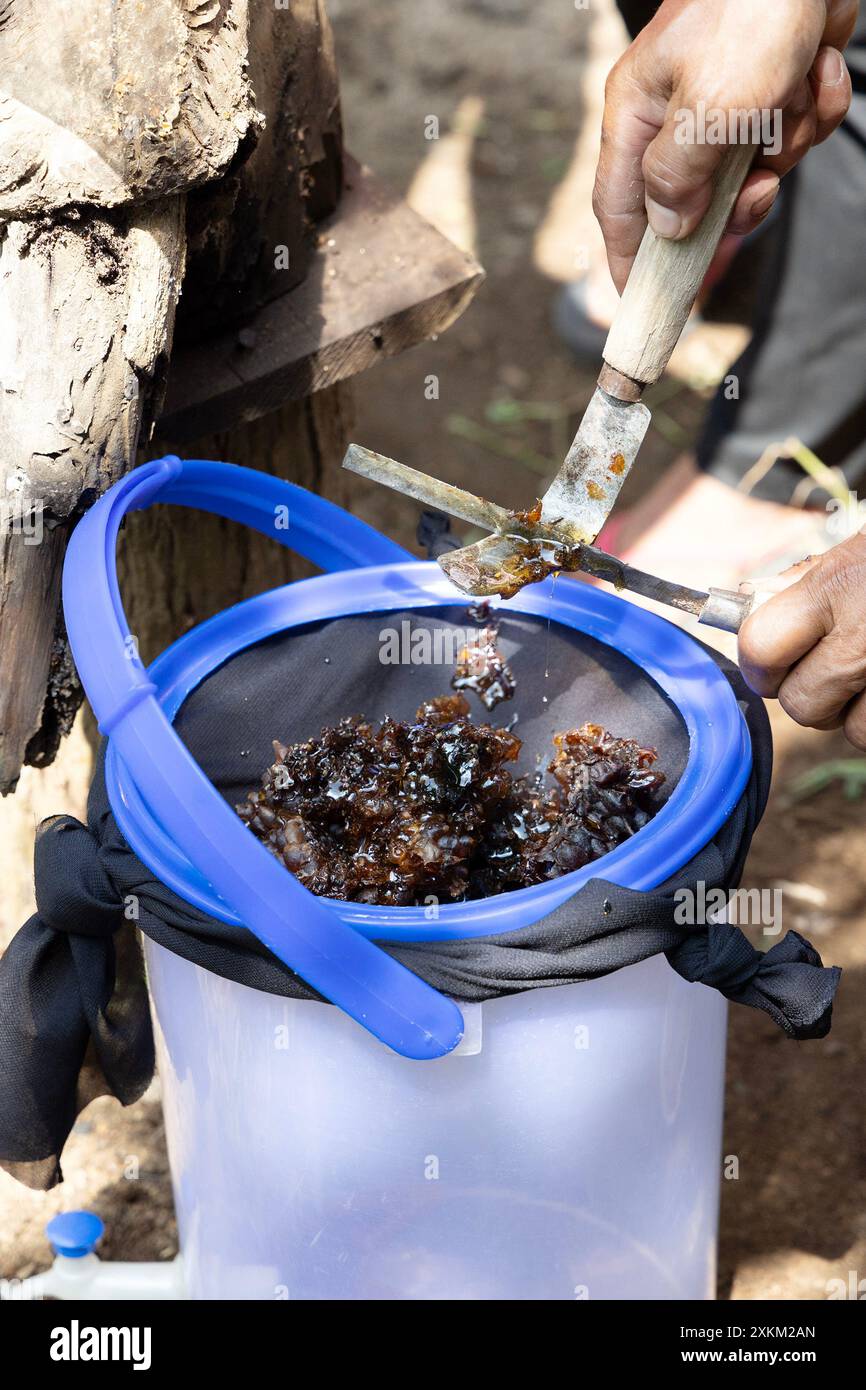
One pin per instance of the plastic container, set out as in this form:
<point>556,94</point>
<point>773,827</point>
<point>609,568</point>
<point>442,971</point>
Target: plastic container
<point>538,1160</point>
<point>570,1148</point>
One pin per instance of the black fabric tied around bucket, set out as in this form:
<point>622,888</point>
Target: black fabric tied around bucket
<point>74,1019</point>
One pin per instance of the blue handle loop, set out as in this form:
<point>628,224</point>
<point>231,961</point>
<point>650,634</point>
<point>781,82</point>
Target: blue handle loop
<point>341,965</point>
<point>331,538</point>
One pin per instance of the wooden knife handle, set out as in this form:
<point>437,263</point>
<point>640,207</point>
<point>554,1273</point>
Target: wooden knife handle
<point>665,279</point>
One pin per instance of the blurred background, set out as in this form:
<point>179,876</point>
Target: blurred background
<point>516,88</point>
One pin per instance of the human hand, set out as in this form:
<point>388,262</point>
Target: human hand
<point>806,645</point>
<point>786,59</point>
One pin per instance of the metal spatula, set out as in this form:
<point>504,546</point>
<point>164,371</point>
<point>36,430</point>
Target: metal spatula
<point>524,547</point>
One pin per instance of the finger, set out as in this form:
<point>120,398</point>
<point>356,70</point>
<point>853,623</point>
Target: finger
<point>631,119</point>
<point>830,81</point>
<point>783,629</point>
<point>816,690</point>
<point>841,19</point>
<point>799,124</point>
<point>855,722</point>
<point>678,177</point>
<point>757,196</point>
<point>617,201</point>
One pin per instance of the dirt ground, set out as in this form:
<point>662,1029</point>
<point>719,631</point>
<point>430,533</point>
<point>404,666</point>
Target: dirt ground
<point>516,89</point>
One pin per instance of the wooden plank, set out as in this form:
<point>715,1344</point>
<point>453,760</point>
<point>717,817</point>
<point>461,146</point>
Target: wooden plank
<point>380,281</point>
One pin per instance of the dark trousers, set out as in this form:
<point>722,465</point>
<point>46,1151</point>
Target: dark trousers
<point>804,371</point>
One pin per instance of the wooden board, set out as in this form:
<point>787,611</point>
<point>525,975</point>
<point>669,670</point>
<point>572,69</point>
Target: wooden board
<point>380,281</point>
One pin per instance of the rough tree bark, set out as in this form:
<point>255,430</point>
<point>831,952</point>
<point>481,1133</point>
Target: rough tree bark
<point>113,117</point>
<point>251,238</point>
<point>110,110</point>
<point>87,306</point>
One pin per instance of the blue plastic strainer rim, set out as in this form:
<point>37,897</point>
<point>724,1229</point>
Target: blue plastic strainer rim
<point>200,848</point>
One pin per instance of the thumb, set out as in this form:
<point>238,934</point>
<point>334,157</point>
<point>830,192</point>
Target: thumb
<point>787,622</point>
<point>678,171</point>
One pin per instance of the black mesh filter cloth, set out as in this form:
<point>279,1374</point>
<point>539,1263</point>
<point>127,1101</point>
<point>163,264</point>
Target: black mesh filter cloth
<point>74,1020</point>
<point>290,686</point>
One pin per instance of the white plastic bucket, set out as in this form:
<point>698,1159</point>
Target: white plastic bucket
<point>570,1148</point>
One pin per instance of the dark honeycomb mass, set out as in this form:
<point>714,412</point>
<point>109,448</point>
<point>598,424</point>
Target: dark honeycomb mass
<point>409,812</point>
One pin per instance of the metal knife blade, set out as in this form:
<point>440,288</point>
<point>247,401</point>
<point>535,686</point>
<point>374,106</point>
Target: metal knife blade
<point>581,495</point>
<point>722,608</point>
<point>574,507</point>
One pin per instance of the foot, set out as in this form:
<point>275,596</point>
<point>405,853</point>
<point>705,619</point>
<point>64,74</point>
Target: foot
<point>584,310</point>
<point>694,530</point>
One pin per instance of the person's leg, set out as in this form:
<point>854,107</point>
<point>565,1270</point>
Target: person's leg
<point>804,371</point>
